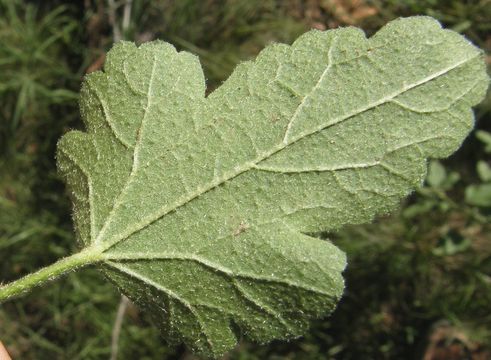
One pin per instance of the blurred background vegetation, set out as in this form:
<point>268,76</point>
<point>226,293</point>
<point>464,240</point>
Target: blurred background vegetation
<point>418,281</point>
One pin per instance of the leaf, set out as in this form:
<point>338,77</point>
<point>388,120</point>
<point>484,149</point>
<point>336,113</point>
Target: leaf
<point>201,206</point>
<point>439,178</point>
<point>483,170</point>
<point>451,244</point>
<point>479,195</point>
<point>485,137</point>
<point>436,174</point>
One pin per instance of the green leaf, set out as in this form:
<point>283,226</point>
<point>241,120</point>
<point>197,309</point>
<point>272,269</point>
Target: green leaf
<point>483,170</point>
<point>436,174</point>
<point>438,177</point>
<point>451,244</point>
<point>479,195</point>
<point>202,206</point>
<point>485,137</point>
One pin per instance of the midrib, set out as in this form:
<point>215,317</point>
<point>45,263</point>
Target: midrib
<point>280,146</point>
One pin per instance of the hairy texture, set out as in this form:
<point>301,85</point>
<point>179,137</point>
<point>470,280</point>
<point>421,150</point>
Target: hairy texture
<point>202,206</point>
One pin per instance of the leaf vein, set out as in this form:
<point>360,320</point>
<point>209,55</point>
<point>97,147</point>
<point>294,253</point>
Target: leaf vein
<point>210,265</point>
<point>316,86</point>
<point>167,291</point>
<point>108,118</point>
<point>136,152</point>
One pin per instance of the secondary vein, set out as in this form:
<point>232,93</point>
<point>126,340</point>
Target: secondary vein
<point>136,155</point>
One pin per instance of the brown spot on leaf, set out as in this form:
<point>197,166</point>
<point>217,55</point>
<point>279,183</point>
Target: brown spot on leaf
<point>241,228</point>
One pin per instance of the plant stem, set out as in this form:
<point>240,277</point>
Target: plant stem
<point>118,324</point>
<point>50,272</point>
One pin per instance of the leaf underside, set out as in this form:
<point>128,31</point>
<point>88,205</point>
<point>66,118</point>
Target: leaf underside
<point>202,205</point>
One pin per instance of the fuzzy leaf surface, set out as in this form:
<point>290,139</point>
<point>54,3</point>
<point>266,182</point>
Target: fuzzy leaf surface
<point>202,206</point>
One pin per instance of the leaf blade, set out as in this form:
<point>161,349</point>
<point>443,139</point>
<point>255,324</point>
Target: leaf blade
<point>216,191</point>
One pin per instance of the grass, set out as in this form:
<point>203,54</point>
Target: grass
<point>412,274</point>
